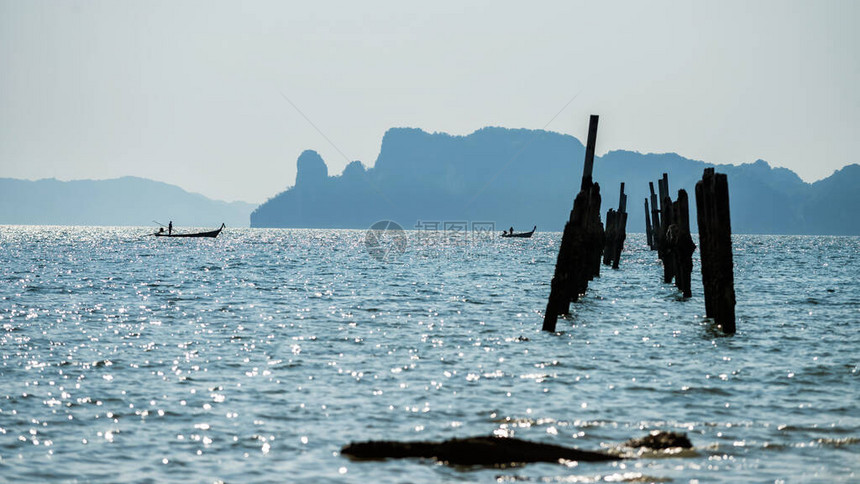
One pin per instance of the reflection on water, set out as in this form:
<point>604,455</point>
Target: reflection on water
<point>257,355</point>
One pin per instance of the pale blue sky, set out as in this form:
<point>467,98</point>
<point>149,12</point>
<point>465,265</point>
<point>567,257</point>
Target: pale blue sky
<point>189,92</point>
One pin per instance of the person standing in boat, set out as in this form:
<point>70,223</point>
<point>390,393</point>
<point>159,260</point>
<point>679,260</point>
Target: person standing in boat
<point>511,231</point>
<point>170,228</point>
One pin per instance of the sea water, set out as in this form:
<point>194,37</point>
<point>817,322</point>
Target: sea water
<point>256,356</point>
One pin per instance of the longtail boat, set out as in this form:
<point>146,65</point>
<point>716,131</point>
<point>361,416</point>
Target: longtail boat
<point>523,235</point>
<point>211,233</point>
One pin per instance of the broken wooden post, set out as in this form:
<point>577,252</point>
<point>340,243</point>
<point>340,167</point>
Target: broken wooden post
<point>663,192</point>
<point>581,242</point>
<point>715,240</point>
<point>616,231</point>
<point>594,232</point>
<point>649,235</point>
<point>666,220</point>
<point>621,237</point>
<point>574,266</point>
<point>655,218</point>
<point>681,244</point>
<point>621,230</point>
<point>609,236</point>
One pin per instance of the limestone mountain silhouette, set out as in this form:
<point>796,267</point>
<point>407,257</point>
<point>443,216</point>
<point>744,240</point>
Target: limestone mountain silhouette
<point>521,178</point>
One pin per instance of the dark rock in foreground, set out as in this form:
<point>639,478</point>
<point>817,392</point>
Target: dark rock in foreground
<point>498,450</point>
<point>661,440</point>
<point>473,451</point>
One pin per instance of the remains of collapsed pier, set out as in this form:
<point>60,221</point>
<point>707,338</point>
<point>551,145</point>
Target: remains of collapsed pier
<point>585,239</point>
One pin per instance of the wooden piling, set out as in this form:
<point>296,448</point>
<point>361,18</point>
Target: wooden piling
<point>680,243</point>
<point>620,237</point>
<point>616,231</point>
<point>649,235</point>
<point>655,218</point>
<point>588,165</point>
<point>581,242</point>
<point>610,236</point>
<point>665,201</point>
<point>715,240</point>
<point>666,220</point>
<point>663,190</point>
<point>595,233</point>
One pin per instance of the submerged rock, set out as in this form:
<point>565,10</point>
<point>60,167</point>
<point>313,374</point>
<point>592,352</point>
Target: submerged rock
<point>659,440</point>
<point>491,451</point>
<point>473,451</point>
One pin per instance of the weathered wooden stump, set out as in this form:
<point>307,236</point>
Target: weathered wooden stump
<point>581,245</point>
<point>655,219</point>
<point>621,229</point>
<point>610,236</point>
<point>715,240</point>
<point>595,232</point>
<point>666,220</point>
<point>616,231</point>
<point>680,243</point>
<point>581,242</point>
<point>649,234</point>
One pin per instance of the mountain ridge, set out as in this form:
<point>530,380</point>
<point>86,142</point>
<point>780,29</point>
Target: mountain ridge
<point>124,201</point>
<point>524,177</point>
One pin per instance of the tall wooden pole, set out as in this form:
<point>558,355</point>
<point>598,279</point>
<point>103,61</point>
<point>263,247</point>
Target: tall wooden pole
<point>581,242</point>
<point>588,165</point>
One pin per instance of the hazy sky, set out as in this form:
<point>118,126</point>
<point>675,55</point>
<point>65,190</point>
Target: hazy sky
<point>195,93</point>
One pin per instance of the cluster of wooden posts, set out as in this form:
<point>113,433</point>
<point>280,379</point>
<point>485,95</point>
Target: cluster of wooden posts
<point>668,232</point>
<point>670,236</point>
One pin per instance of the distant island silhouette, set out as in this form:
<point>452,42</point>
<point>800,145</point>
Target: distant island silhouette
<point>120,201</point>
<point>522,178</point>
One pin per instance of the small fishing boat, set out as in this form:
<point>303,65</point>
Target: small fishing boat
<point>523,235</point>
<point>211,233</point>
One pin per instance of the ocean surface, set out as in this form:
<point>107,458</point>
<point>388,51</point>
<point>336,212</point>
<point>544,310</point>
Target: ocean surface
<point>256,356</point>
